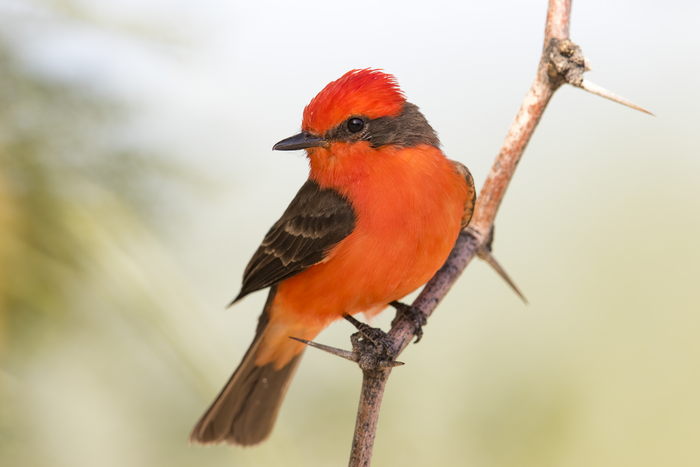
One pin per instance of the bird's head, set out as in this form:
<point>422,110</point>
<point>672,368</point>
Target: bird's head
<point>354,116</point>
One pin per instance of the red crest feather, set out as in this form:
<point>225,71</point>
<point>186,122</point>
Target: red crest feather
<point>371,93</point>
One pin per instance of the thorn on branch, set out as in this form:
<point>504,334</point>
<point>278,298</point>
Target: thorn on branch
<point>367,359</point>
<point>346,354</point>
<point>567,65</point>
<point>488,257</point>
<point>485,253</point>
<point>602,92</point>
<point>372,348</point>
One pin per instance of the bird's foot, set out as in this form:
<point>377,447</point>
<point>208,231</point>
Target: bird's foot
<point>416,317</point>
<point>373,347</point>
<point>374,335</point>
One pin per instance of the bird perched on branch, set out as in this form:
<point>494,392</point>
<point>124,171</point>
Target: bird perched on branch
<point>378,216</point>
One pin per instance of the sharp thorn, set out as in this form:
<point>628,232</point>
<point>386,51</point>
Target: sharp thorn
<point>602,92</point>
<point>346,354</point>
<point>489,258</point>
<point>390,364</point>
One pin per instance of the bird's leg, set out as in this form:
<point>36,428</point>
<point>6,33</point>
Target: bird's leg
<point>376,336</point>
<point>416,317</point>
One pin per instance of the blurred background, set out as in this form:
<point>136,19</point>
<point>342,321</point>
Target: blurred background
<point>136,180</point>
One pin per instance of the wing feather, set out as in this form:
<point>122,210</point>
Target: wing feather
<point>471,192</point>
<point>315,221</point>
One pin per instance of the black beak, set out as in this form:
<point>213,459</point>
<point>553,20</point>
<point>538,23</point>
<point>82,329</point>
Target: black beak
<point>303,140</point>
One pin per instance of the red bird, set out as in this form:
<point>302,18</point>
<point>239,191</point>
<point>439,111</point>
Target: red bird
<point>378,216</point>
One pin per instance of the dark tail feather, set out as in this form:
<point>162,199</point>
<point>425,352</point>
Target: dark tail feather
<point>245,410</point>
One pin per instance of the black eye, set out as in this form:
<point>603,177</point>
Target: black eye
<point>355,125</point>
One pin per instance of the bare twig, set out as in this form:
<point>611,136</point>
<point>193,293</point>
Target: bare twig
<point>373,383</point>
<point>562,62</point>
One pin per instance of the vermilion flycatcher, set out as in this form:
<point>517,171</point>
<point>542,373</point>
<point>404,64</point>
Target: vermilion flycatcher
<point>378,216</point>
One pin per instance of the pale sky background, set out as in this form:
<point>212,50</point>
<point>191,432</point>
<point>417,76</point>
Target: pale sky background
<point>599,229</point>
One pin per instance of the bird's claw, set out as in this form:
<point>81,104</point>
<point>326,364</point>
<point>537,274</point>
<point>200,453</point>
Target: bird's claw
<point>373,346</point>
<point>374,335</point>
<point>416,317</point>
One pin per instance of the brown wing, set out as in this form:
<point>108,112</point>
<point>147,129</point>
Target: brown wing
<point>313,223</point>
<point>471,195</point>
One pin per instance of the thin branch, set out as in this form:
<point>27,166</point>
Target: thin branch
<point>562,63</point>
<point>373,384</point>
<point>558,20</point>
<point>470,241</point>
